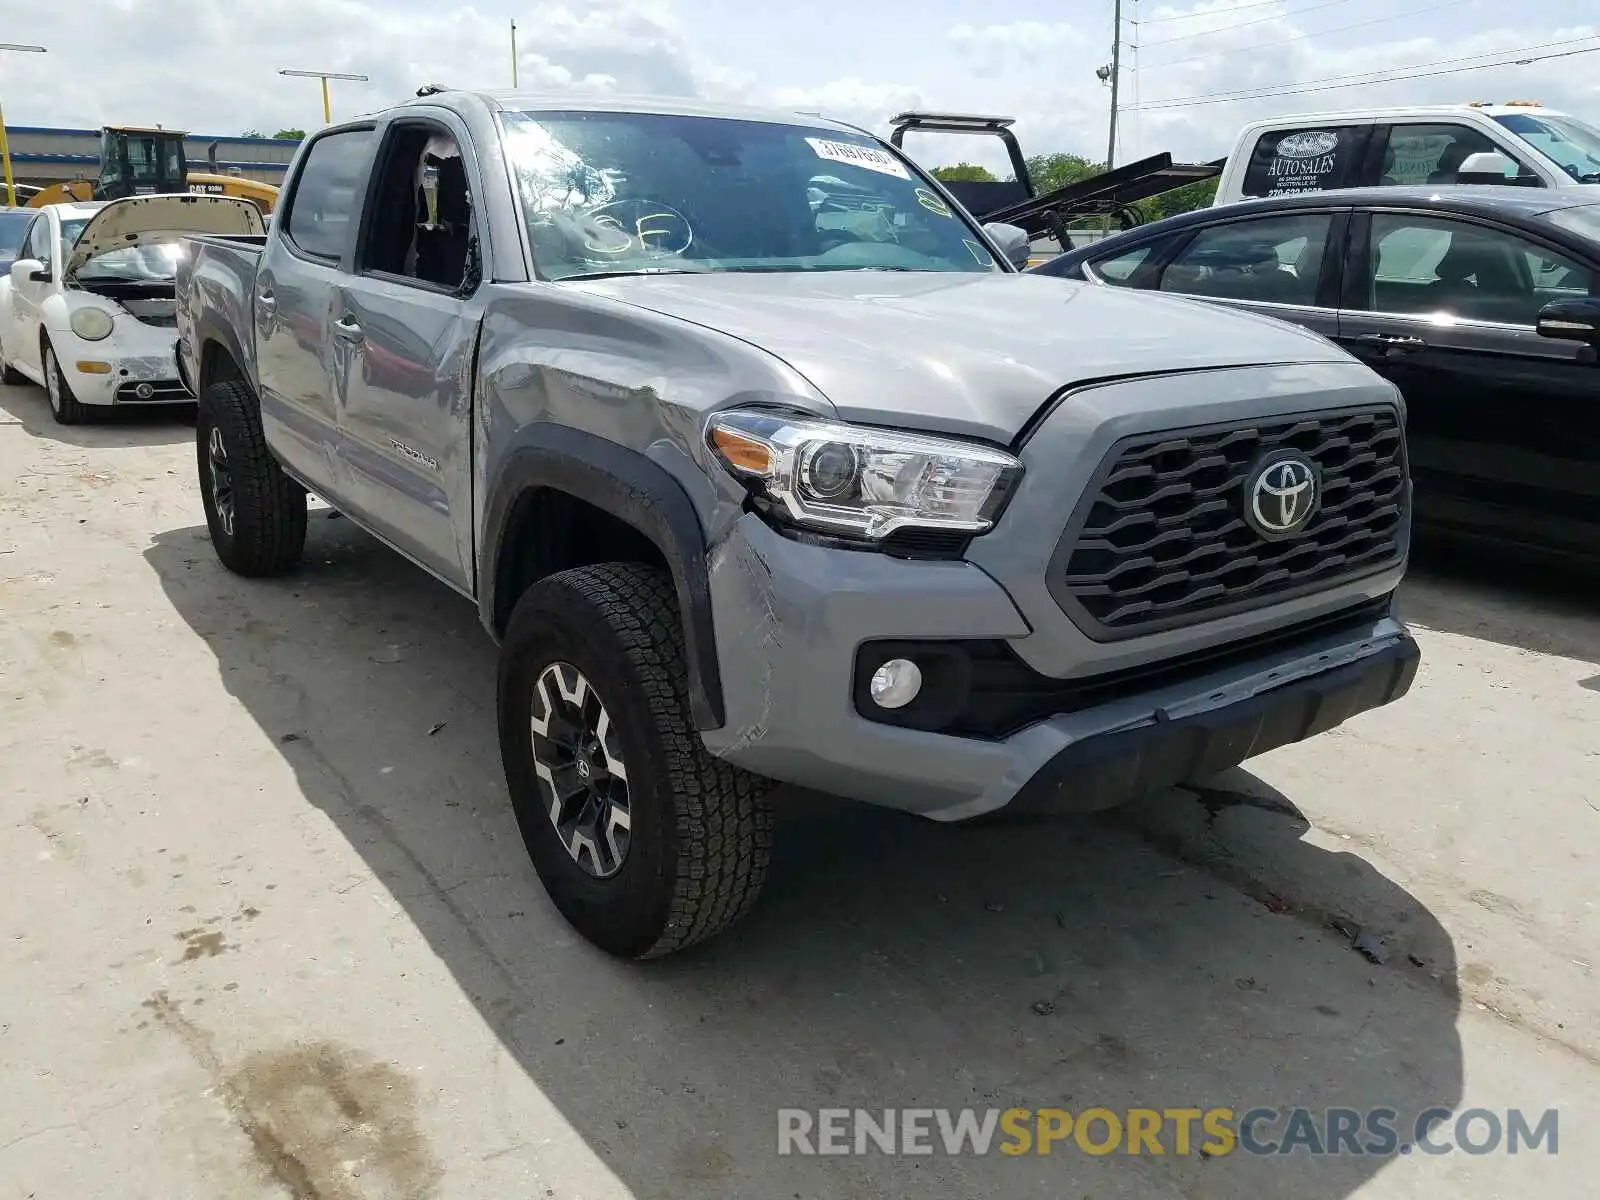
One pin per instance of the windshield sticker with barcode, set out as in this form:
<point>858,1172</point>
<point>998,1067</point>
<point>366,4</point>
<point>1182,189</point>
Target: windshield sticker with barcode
<point>870,157</point>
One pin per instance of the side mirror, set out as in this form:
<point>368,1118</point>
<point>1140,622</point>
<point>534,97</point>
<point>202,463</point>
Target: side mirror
<point>1491,166</point>
<point>1576,320</point>
<point>29,268</point>
<point>1013,242</point>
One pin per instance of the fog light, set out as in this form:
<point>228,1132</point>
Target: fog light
<point>144,391</point>
<point>896,683</point>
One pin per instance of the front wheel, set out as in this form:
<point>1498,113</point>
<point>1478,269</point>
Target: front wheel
<point>256,513</point>
<point>64,406</point>
<point>646,843</point>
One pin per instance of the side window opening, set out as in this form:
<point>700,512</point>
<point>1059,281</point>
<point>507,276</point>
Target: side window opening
<point>1287,161</point>
<point>1119,268</point>
<point>1423,154</point>
<point>422,211</point>
<point>327,194</point>
<point>1428,265</point>
<point>1276,260</point>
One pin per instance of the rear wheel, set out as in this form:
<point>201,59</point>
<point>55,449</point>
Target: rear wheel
<point>646,843</point>
<point>64,406</point>
<point>256,513</point>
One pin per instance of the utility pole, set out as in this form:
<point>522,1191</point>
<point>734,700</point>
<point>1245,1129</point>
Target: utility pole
<point>1116,74</point>
<point>513,52</point>
<point>5,145</point>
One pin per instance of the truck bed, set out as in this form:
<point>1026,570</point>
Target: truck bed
<point>215,291</point>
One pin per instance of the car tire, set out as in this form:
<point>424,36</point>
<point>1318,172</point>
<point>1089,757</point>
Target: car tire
<point>64,406</point>
<point>594,656</point>
<point>8,373</point>
<point>256,513</point>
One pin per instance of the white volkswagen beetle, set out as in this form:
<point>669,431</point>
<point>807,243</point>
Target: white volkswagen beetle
<point>88,310</point>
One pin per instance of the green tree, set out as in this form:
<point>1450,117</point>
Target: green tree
<point>1051,171</point>
<point>251,133</point>
<point>963,172</point>
<point>290,135</point>
<point>1180,200</point>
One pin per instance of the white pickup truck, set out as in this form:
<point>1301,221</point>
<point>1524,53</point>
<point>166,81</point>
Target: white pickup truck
<point>1520,142</point>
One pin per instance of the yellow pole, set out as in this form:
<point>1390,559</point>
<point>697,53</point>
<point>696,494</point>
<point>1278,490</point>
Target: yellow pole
<point>5,154</point>
<point>513,52</point>
<point>327,109</point>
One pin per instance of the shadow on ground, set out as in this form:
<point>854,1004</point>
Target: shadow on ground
<point>1499,597</point>
<point>1194,951</point>
<point>164,425</point>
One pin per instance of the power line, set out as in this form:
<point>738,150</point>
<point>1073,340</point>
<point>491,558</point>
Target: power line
<point>1299,12</point>
<point>1217,12</point>
<point>1300,37</point>
<point>1388,75</point>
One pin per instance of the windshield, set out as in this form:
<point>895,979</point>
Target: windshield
<point>632,193</point>
<point>1572,144</point>
<point>131,264</point>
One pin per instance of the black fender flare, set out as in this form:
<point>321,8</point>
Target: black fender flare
<point>637,491</point>
<point>211,330</point>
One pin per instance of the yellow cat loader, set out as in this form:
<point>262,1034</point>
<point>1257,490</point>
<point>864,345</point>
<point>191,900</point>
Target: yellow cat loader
<point>137,162</point>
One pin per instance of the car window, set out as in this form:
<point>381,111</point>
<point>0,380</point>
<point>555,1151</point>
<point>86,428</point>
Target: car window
<point>621,193</point>
<point>327,200</point>
<point>1119,268</point>
<point>1286,161</point>
<point>1435,265</point>
<point>1273,259</point>
<point>39,242</point>
<point>1432,153</point>
<point>1571,143</point>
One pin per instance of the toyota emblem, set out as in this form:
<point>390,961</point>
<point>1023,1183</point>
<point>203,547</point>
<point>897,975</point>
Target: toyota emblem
<point>1281,495</point>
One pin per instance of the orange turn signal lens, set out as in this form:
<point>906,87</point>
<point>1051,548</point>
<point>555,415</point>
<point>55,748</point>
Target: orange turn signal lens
<point>89,367</point>
<point>743,453</point>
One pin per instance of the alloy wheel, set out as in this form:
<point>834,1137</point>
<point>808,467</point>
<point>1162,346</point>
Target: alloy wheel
<point>578,761</point>
<point>221,480</point>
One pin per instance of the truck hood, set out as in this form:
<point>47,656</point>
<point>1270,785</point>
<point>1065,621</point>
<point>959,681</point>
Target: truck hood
<point>152,220</point>
<point>975,354</point>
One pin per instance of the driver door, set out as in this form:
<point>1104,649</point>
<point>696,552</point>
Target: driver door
<point>408,313</point>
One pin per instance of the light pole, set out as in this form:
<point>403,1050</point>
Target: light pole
<point>327,109</point>
<point>513,52</point>
<point>5,145</point>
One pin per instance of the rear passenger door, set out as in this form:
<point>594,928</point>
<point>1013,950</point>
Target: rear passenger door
<point>301,365</point>
<point>1283,265</point>
<point>1317,158</point>
<point>1503,424</point>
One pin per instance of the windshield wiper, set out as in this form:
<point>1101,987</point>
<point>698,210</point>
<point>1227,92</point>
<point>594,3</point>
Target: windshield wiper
<point>636,271</point>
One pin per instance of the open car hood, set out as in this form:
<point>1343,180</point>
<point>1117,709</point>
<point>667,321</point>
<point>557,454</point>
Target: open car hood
<point>153,220</point>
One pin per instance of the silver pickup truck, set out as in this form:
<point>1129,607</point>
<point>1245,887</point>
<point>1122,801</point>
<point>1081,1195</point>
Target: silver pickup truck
<point>762,462</point>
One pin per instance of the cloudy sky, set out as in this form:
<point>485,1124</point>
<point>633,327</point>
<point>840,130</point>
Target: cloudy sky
<point>211,65</point>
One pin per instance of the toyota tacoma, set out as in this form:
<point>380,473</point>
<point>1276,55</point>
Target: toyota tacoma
<point>763,462</point>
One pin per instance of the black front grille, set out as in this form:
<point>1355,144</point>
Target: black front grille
<point>1160,539</point>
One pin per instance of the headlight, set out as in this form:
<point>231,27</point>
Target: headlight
<point>855,480</point>
<point>91,324</point>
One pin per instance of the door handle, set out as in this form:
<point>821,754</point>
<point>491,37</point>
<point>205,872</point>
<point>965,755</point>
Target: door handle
<point>1392,341</point>
<point>266,300</point>
<point>347,328</point>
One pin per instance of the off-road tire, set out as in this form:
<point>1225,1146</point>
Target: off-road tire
<point>700,834</point>
<point>268,530</point>
<point>64,406</point>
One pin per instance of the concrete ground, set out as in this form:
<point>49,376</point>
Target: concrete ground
<point>268,928</point>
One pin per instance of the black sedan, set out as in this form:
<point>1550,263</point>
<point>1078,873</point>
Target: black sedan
<point>1482,304</point>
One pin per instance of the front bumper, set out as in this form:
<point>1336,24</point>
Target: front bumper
<point>790,619</point>
<point>131,368</point>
